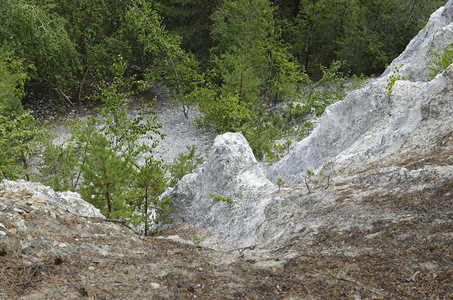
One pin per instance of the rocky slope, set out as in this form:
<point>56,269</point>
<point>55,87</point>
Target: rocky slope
<point>382,146</point>
<point>382,228</point>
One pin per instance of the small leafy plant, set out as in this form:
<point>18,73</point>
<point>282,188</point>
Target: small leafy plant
<point>328,172</point>
<point>308,179</point>
<point>325,175</point>
<point>393,78</point>
<point>442,61</point>
<point>198,239</point>
<point>280,183</point>
<point>226,199</point>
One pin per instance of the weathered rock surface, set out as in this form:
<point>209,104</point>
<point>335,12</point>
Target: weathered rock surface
<point>361,132</point>
<point>39,196</point>
<point>51,250</point>
<point>368,124</point>
<point>231,171</point>
<point>393,198</point>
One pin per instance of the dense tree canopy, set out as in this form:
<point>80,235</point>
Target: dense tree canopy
<point>63,41</point>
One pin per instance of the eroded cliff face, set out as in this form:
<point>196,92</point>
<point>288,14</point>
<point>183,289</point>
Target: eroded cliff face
<point>395,155</point>
<point>367,123</point>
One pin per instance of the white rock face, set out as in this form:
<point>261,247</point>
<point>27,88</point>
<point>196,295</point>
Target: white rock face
<point>368,124</point>
<point>39,195</point>
<point>418,56</point>
<point>232,171</point>
<point>391,151</point>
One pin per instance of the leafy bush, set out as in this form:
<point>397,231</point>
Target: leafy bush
<point>60,166</point>
<point>19,140</point>
<point>224,113</point>
<point>184,164</point>
<point>19,133</point>
<point>316,96</point>
<point>39,37</point>
<point>442,61</point>
<point>218,198</point>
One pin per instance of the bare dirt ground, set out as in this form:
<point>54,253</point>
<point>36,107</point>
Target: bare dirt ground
<point>47,255</point>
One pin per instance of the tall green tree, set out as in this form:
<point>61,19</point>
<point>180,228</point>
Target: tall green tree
<point>248,52</point>
<point>191,19</point>
<point>107,177</point>
<point>149,183</point>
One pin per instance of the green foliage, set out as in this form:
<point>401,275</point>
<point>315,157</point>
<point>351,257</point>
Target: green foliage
<point>60,166</point>
<point>316,96</point>
<point>442,61</point>
<point>327,173</point>
<point>149,183</point>
<point>261,131</point>
<point>12,80</point>
<point>366,34</point>
<point>165,59</point>
<point>392,78</point>
<point>282,148</point>
<point>40,38</point>
<point>308,179</point>
<point>218,198</point>
<point>280,183</point>
<point>121,130</point>
<point>106,178</point>
<point>223,113</point>
<point>107,147</point>
<point>198,239</point>
<point>19,133</point>
<point>184,164</point>
<point>19,140</point>
<point>249,55</point>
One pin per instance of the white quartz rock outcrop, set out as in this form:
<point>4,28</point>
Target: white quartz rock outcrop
<point>230,170</point>
<point>39,195</point>
<point>419,53</point>
<point>367,123</point>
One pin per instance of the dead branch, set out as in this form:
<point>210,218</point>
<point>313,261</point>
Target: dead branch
<point>66,97</point>
<point>412,278</point>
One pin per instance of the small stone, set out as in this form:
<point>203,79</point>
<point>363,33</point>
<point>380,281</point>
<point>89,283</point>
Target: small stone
<point>154,285</point>
<point>2,233</point>
<point>18,210</point>
<point>2,226</point>
<point>91,268</point>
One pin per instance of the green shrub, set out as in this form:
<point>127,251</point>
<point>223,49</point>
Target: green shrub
<point>218,198</point>
<point>184,164</point>
<point>148,184</point>
<point>224,113</point>
<point>391,80</point>
<point>442,61</point>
